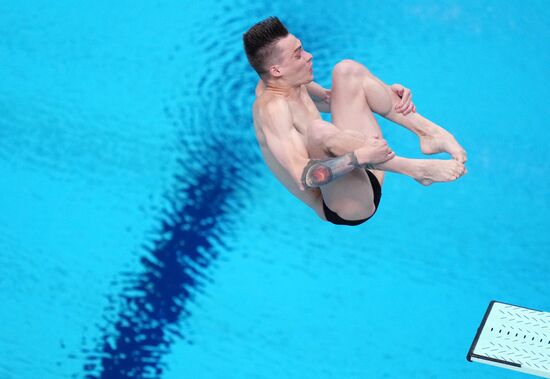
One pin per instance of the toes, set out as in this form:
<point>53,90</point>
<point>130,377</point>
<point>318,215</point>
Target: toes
<point>458,170</point>
<point>462,172</point>
<point>460,156</point>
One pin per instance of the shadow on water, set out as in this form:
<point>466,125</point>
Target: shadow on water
<point>143,321</point>
<point>222,153</point>
<point>154,301</point>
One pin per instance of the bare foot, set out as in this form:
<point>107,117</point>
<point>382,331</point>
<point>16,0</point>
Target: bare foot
<point>439,140</point>
<point>437,170</point>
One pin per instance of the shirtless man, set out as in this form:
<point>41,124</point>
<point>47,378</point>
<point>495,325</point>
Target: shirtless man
<point>336,169</point>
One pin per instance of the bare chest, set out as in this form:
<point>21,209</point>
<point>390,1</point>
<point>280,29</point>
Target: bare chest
<point>303,111</point>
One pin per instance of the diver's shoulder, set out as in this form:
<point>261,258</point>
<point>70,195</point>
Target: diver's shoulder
<point>270,100</point>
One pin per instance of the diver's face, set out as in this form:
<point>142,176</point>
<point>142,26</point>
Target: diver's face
<point>295,62</point>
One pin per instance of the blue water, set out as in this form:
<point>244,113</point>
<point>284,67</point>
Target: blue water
<point>141,234</point>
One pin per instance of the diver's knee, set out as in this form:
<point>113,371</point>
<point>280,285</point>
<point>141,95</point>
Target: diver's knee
<point>345,67</point>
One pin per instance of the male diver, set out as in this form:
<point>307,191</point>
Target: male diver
<point>335,168</point>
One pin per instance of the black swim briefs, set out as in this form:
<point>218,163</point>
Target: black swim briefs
<point>376,190</point>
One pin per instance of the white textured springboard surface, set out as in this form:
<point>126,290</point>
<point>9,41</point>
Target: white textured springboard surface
<point>513,337</point>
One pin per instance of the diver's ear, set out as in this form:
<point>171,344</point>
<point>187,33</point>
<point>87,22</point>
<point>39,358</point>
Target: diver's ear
<point>275,70</point>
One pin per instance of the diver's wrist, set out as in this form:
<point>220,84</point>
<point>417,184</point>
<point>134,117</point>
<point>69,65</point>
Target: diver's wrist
<point>353,158</point>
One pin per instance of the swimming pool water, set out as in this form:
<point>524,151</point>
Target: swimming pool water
<point>142,235</point>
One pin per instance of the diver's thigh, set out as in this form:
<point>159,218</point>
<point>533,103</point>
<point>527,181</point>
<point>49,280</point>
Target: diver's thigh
<point>350,196</point>
<point>379,175</point>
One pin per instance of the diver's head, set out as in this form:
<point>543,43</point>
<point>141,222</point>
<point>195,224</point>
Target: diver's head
<point>277,55</point>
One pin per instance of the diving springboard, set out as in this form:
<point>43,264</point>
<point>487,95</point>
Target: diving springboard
<point>515,338</point>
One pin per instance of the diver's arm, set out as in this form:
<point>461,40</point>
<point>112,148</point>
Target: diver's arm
<point>322,106</point>
<point>320,172</point>
<point>316,91</point>
<point>320,96</point>
<point>287,146</point>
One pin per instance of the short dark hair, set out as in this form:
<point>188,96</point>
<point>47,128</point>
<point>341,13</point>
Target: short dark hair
<point>259,42</point>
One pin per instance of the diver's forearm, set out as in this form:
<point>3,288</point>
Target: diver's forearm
<point>320,172</point>
<point>316,91</point>
<point>323,106</point>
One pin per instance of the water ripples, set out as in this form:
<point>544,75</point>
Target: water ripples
<point>216,156</point>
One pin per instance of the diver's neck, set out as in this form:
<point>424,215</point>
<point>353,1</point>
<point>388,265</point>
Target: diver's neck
<point>283,89</point>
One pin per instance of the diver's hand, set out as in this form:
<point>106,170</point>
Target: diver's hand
<point>326,96</point>
<point>374,151</point>
<point>406,105</point>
